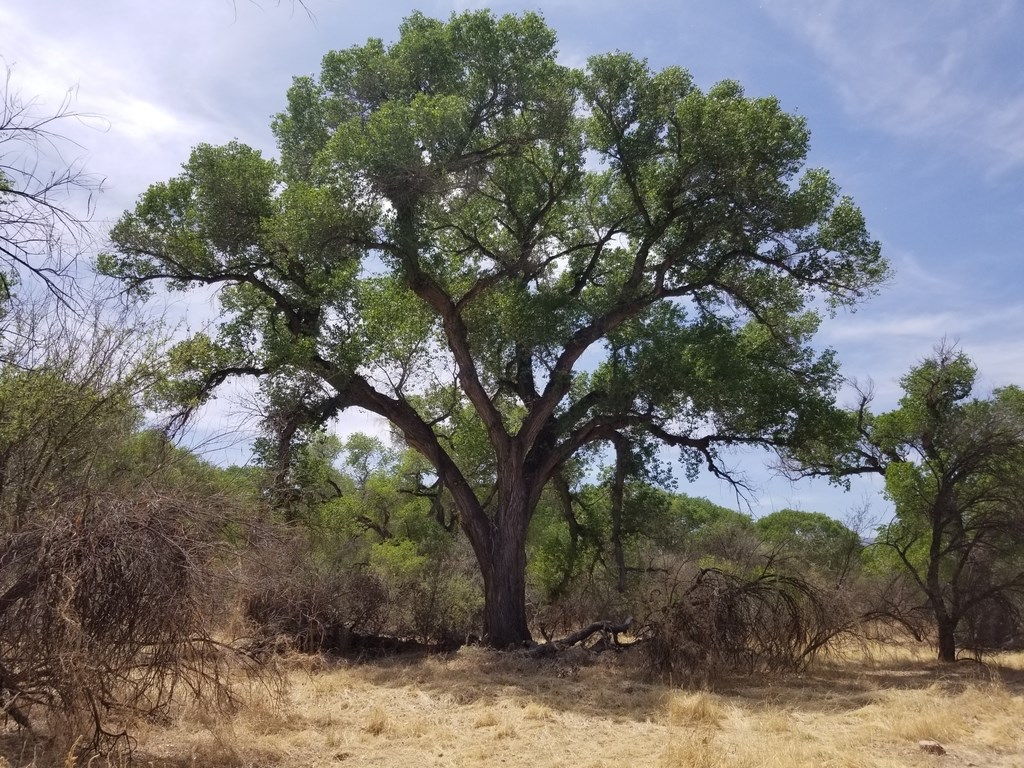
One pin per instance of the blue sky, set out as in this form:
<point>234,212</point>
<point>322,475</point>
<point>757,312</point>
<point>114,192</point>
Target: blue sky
<point>916,107</point>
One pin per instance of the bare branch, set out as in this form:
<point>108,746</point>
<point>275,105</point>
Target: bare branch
<point>41,232</point>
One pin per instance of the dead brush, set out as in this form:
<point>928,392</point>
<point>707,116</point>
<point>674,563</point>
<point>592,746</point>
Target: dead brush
<point>715,622</point>
<point>293,602</point>
<point>105,619</point>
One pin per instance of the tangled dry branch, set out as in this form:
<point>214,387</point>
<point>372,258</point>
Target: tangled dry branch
<point>104,616</point>
<point>725,622</point>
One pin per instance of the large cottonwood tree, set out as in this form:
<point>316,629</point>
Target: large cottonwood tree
<point>510,260</point>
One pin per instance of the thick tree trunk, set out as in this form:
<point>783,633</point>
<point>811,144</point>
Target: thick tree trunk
<point>504,565</point>
<point>945,622</point>
<point>505,594</point>
<point>945,619</point>
<point>947,639</point>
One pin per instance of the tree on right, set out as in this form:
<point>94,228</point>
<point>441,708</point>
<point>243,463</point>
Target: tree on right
<point>954,469</point>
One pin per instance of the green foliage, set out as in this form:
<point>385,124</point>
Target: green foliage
<point>413,122</point>
<point>149,457</point>
<point>655,523</point>
<point>108,534</point>
<point>697,516</point>
<point>812,537</point>
<point>369,525</point>
<point>456,219</point>
<point>952,466</point>
<point>69,405</point>
<point>71,428</point>
<point>554,560</point>
<point>884,560</point>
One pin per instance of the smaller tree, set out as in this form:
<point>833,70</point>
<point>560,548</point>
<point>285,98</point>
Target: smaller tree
<point>70,397</point>
<point>954,468</point>
<point>368,552</point>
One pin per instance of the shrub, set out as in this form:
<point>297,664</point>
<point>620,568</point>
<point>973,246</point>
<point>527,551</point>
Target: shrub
<point>341,603</point>
<point>711,622</point>
<point>104,616</point>
<point>291,598</point>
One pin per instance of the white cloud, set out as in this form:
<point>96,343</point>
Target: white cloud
<point>999,361</point>
<point>922,70</point>
<point>154,79</point>
<point>110,94</point>
<point>928,325</point>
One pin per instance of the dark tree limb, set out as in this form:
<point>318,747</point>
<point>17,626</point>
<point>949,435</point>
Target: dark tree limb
<point>605,627</point>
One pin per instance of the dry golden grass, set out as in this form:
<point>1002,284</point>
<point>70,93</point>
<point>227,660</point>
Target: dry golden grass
<point>865,708</point>
<point>700,709</point>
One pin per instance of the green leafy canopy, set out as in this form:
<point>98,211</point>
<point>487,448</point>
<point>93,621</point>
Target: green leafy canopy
<point>461,189</point>
<point>510,260</point>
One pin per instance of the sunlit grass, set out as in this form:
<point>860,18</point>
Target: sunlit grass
<point>858,709</point>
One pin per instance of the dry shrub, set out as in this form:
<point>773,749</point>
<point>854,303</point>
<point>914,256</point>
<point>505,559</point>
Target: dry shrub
<point>694,748</point>
<point>294,596</point>
<point>994,624</point>
<point>890,609</point>
<point>378,722</point>
<point>103,617</point>
<point>699,709</point>
<point>291,599</point>
<point>716,622</point>
<point>443,601</point>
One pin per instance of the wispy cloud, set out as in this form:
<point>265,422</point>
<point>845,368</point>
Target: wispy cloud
<point>160,78</point>
<point>924,70</point>
<point>46,67</point>
<point>927,325</point>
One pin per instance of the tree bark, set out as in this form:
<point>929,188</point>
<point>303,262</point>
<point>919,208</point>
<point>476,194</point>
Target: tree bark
<point>498,537</point>
<point>504,574</point>
<point>505,623</point>
<point>503,562</point>
<point>947,640</point>
<point>945,620</point>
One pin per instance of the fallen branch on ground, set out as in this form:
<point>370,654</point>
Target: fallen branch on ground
<point>607,628</point>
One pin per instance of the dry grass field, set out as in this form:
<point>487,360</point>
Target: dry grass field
<point>477,708</point>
